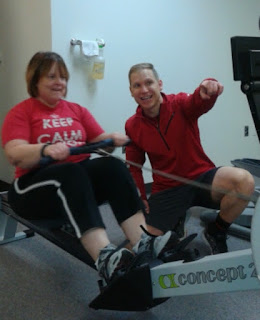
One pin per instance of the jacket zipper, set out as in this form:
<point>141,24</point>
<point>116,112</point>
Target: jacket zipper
<point>172,115</point>
<point>158,129</point>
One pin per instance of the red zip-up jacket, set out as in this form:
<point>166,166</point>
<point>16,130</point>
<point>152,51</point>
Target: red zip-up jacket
<point>171,141</point>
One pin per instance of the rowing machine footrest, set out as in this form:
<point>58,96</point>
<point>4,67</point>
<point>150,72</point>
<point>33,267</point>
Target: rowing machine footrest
<point>180,252</point>
<point>131,292</point>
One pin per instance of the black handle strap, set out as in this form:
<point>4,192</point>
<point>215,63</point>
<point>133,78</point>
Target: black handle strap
<point>88,148</point>
<point>92,147</point>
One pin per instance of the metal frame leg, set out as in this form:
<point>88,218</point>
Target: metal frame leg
<point>8,227</point>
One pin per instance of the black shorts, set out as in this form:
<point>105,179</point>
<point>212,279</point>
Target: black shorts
<point>168,206</point>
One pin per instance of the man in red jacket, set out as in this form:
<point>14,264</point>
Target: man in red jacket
<point>165,128</point>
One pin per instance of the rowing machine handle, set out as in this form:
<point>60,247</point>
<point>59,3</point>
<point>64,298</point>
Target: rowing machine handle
<point>92,147</point>
<point>88,148</point>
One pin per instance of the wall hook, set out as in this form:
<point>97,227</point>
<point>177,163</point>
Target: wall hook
<point>76,42</point>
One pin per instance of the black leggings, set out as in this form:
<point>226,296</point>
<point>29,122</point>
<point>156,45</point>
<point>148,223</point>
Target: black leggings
<point>74,190</point>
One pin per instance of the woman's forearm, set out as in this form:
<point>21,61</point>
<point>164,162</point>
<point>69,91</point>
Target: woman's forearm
<point>22,154</point>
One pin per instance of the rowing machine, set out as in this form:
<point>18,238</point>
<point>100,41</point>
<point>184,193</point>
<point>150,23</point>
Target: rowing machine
<point>148,285</point>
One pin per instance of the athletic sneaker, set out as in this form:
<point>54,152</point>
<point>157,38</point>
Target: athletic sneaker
<point>217,242</point>
<point>157,246</point>
<point>113,262</point>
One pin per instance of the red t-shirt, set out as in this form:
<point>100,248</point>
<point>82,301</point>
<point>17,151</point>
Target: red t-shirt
<point>35,122</point>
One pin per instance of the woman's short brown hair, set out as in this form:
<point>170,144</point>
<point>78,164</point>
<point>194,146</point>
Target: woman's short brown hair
<point>39,66</point>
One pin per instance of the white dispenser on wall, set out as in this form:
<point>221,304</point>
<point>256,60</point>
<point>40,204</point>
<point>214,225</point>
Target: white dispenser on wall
<point>98,64</point>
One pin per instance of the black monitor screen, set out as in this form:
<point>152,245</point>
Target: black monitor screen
<point>246,58</point>
<point>246,68</point>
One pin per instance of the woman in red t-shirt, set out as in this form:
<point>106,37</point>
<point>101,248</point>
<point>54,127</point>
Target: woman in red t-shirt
<point>47,125</point>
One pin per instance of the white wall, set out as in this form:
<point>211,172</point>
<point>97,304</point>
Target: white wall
<point>186,40</point>
<point>25,27</point>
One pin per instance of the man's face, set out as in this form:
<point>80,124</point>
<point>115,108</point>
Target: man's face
<point>146,90</point>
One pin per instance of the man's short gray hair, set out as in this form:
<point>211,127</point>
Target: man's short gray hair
<point>142,66</point>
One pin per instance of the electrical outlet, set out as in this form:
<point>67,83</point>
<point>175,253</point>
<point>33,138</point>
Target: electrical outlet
<point>246,131</point>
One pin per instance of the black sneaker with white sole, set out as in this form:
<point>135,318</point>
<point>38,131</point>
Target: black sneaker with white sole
<point>217,241</point>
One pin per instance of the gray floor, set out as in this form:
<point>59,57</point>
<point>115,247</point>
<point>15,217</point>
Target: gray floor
<point>39,281</point>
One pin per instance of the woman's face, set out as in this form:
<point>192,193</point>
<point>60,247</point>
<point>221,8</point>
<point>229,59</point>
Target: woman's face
<point>52,87</point>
